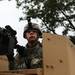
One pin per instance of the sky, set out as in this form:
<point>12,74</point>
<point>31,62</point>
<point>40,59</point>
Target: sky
<point>9,15</point>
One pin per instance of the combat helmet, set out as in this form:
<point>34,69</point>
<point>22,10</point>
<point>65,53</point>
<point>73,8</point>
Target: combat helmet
<point>31,26</point>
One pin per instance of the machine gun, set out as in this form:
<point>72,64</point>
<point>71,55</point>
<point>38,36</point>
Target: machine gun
<point>7,34</point>
<point>8,42</point>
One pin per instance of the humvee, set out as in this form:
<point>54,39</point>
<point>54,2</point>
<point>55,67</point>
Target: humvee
<point>58,58</point>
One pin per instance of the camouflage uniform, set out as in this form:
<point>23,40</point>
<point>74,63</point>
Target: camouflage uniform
<point>30,57</point>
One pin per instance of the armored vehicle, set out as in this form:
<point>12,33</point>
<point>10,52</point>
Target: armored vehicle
<point>58,58</point>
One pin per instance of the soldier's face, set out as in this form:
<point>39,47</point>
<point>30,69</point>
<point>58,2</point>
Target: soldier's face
<point>31,35</point>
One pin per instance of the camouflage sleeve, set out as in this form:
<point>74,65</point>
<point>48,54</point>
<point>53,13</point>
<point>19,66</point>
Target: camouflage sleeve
<point>20,62</point>
<point>37,60</point>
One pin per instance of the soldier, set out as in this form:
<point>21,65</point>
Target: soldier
<point>31,55</point>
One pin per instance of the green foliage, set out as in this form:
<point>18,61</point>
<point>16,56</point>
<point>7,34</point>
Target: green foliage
<point>53,13</point>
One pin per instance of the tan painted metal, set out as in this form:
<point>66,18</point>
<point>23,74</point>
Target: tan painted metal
<point>58,55</point>
<point>3,63</point>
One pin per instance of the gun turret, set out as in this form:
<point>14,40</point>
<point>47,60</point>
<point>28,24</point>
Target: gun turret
<point>10,30</point>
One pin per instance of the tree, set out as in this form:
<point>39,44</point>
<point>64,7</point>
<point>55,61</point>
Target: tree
<point>53,13</point>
